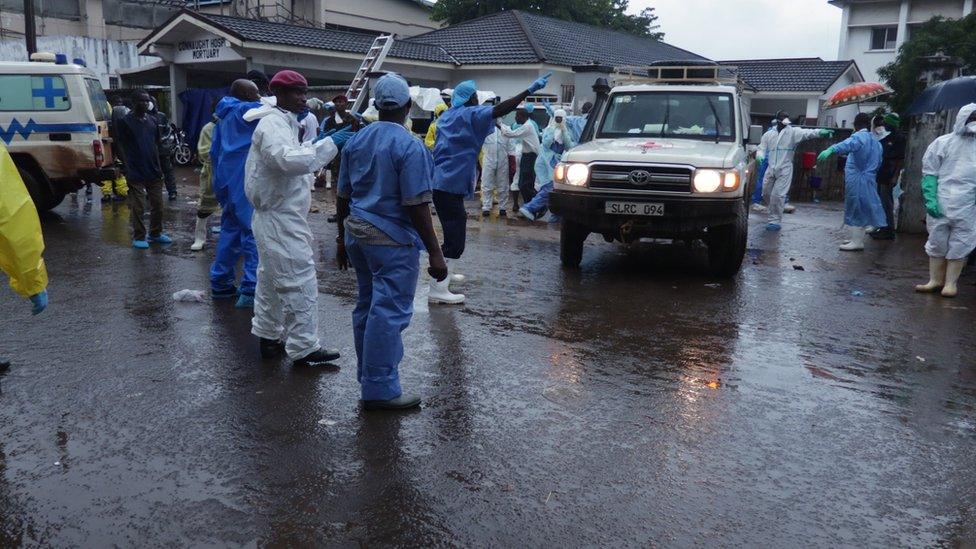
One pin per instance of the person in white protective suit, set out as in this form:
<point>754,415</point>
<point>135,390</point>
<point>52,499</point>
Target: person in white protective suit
<point>494,172</point>
<point>777,147</point>
<point>278,182</point>
<point>949,189</point>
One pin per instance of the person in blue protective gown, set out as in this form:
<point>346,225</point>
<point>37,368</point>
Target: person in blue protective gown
<point>384,220</point>
<point>461,132</point>
<point>557,138</point>
<point>228,154</point>
<point>862,205</point>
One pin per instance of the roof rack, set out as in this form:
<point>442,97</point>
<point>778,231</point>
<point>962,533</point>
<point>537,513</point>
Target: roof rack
<point>676,74</point>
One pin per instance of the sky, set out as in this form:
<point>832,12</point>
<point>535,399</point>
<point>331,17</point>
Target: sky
<point>748,29</point>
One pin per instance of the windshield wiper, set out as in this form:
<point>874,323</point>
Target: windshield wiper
<point>667,114</point>
<point>715,114</point>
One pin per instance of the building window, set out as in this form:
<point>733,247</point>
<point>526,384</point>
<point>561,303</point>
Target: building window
<point>884,38</point>
<point>568,93</point>
<point>113,82</point>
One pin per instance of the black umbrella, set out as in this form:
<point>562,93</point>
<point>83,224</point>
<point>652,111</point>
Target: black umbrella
<point>946,95</point>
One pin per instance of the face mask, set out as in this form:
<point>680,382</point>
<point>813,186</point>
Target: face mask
<point>785,122</point>
<point>151,107</point>
<point>971,127</point>
<point>880,131</point>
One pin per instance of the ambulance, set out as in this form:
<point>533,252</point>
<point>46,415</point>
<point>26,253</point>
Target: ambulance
<point>54,121</point>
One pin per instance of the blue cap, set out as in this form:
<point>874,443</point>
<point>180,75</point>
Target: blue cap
<point>463,92</point>
<point>391,92</point>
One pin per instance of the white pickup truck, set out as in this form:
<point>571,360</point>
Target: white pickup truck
<point>663,155</point>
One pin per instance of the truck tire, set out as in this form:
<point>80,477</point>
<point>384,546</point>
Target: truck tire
<point>571,238</point>
<point>727,246</point>
<point>44,197</point>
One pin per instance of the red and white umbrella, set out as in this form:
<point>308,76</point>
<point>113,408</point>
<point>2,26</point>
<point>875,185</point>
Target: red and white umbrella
<point>857,93</point>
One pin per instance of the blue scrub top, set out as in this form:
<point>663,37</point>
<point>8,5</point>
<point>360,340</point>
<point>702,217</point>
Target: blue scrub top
<point>384,165</point>
<point>461,131</point>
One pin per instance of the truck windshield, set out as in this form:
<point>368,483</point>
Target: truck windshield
<point>677,114</point>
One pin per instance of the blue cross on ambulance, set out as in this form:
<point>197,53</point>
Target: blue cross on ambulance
<point>54,120</point>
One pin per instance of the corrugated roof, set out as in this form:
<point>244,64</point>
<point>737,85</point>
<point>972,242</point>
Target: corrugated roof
<point>790,75</point>
<point>325,39</point>
<point>521,37</point>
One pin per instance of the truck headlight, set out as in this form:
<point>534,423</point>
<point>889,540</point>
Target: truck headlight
<point>710,181</point>
<point>578,174</point>
<point>707,181</point>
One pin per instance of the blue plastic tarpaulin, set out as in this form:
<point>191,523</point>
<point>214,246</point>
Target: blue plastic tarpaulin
<point>198,104</point>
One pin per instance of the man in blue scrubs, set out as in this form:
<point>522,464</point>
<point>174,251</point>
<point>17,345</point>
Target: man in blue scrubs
<point>228,153</point>
<point>384,219</point>
<point>461,132</point>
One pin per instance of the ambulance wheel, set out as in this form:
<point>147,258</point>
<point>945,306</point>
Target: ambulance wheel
<point>727,246</point>
<point>44,197</point>
<point>571,238</point>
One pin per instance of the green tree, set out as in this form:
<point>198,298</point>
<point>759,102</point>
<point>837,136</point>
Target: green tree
<point>938,35</point>
<point>602,13</point>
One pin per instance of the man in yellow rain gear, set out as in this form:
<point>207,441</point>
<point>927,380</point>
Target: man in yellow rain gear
<point>21,242</point>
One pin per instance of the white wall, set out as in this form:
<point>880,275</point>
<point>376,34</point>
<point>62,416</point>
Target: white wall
<point>919,11</point>
<point>104,57</point>
<point>859,49</point>
<point>398,16</point>
<point>875,13</point>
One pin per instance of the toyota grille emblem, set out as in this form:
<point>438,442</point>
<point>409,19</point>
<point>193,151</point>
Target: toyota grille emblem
<point>640,177</point>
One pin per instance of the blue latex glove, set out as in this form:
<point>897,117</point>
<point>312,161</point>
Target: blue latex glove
<point>548,107</point>
<point>540,83</point>
<point>323,134</point>
<point>39,301</point>
<point>340,137</point>
<point>825,154</point>
<point>826,133</point>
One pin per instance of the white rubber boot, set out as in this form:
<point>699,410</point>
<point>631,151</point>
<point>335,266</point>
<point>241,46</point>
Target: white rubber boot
<point>440,292</point>
<point>452,276</point>
<point>199,235</point>
<point>953,270</point>
<point>856,243</point>
<point>937,276</point>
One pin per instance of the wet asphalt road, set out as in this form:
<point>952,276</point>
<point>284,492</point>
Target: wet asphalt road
<point>635,403</point>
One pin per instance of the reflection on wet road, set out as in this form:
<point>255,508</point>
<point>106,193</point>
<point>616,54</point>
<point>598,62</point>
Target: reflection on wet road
<point>635,402</point>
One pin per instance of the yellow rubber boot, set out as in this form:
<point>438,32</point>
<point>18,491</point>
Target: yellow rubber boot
<point>953,270</point>
<point>937,276</point>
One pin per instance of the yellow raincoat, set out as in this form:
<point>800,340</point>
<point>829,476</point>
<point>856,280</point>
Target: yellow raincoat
<point>431,136</point>
<point>21,241</point>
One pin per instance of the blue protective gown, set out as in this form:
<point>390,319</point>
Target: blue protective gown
<point>228,153</point>
<point>551,152</point>
<point>384,169</point>
<point>461,132</point>
<point>862,205</point>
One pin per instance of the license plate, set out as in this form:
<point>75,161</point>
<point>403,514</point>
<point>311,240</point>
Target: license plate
<point>634,208</point>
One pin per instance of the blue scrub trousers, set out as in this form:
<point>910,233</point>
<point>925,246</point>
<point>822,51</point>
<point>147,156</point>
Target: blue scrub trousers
<point>387,279</point>
<point>454,222</point>
<point>236,240</point>
<point>757,195</point>
<point>540,203</point>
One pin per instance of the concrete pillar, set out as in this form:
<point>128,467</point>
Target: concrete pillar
<point>845,19</point>
<point>94,19</point>
<point>177,83</point>
<point>813,110</point>
<point>902,24</point>
<point>967,7</point>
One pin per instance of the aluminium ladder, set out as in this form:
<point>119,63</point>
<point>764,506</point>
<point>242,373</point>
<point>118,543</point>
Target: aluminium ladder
<point>374,59</point>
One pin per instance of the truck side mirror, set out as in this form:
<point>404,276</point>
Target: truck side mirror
<point>755,134</point>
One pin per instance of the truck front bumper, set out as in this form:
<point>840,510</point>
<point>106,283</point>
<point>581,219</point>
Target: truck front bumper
<point>684,216</point>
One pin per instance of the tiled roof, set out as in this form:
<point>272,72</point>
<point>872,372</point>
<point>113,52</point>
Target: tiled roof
<point>521,37</point>
<point>326,39</point>
<point>497,38</point>
<point>790,75</point>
